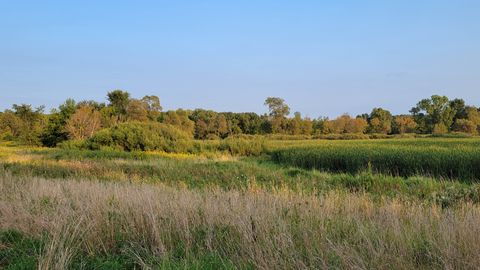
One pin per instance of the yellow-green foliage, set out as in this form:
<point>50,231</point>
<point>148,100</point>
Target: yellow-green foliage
<point>141,136</point>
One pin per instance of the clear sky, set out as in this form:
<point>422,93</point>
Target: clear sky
<point>323,57</point>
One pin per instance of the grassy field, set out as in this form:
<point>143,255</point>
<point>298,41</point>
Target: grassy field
<point>441,158</point>
<point>92,225</point>
<point>361,204</point>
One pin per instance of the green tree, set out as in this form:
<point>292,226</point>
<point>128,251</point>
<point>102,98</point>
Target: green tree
<point>277,107</point>
<point>10,125</point>
<point>55,132</point>
<point>380,121</point>
<point>434,113</point>
<point>153,107</point>
<point>119,101</point>
<point>470,123</point>
<point>458,105</point>
<point>31,123</point>
<point>137,110</point>
<point>180,119</point>
<point>294,126</point>
<point>278,111</point>
<point>465,125</point>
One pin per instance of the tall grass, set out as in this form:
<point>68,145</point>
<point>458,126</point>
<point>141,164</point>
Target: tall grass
<point>89,224</point>
<point>199,172</point>
<point>444,158</point>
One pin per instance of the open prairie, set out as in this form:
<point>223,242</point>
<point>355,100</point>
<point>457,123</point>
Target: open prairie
<point>294,204</point>
<point>239,134</point>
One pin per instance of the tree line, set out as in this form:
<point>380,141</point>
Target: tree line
<point>81,120</point>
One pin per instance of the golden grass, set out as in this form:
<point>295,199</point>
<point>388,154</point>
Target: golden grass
<point>270,230</point>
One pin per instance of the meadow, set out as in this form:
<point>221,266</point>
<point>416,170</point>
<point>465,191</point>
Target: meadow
<point>443,158</point>
<point>238,204</point>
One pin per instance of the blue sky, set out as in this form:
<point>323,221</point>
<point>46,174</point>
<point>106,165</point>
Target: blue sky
<point>323,57</point>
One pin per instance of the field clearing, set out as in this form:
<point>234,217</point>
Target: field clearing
<point>75,224</point>
<point>84,209</point>
<point>225,172</point>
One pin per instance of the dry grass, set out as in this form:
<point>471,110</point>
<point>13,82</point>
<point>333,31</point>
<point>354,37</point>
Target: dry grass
<point>269,230</point>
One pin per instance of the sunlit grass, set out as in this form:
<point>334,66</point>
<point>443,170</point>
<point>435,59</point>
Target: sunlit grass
<point>65,224</point>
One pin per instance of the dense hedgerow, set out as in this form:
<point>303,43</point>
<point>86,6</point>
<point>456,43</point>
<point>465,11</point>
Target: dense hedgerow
<point>138,136</point>
<point>434,157</point>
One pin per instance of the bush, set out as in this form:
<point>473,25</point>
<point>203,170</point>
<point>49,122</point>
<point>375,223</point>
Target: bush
<point>380,136</point>
<point>137,136</point>
<point>345,136</point>
<point>241,147</point>
<point>73,145</point>
<point>287,137</point>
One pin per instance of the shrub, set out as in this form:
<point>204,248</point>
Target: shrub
<point>241,147</point>
<point>137,136</point>
<point>73,145</point>
<point>345,136</point>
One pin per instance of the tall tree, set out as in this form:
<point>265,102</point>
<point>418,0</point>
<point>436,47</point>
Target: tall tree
<point>179,119</point>
<point>380,121</point>
<point>31,123</point>
<point>55,132</point>
<point>458,105</point>
<point>278,111</point>
<point>119,101</point>
<point>277,107</point>
<point>434,114</point>
<point>470,123</point>
<point>404,124</point>
<point>137,110</point>
<point>153,106</point>
<point>83,123</point>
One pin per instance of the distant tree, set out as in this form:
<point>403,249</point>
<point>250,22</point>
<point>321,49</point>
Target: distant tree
<point>179,119</point>
<point>434,113</point>
<point>94,104</point>
<point>458,105</point>
<point>119,101</point>
<point>84,123</point>
<point>320,125</point>
<point>31,123</point>
<point>470,123</point>
<point>153,107</point>
<point>380,121</point>
<point>277,107</point>
<point>204,123</point>
<point>473,114</point>
<point>404,124</point>
<point>233,123</point>
<point>357,125</point>
<point>439,129</point>
<point>294,125</point>
<point>465,125</point>
<point>54,132</point>
<point>219,126</point>
<point>346,124</point>
<point>10,126</point>
<point>306,126</point>
<point>278,111</point>
<point>201,129</point>
<point>337,126</point>
<point>109,117</point>
<point>137,110</point>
